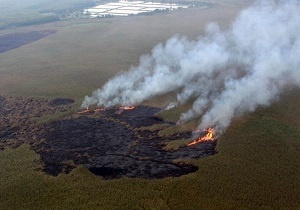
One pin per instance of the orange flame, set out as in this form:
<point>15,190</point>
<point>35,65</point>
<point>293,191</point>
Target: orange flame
<point>208,137</point>
<point>84,111</point>
<point>99,109</point>
<point>126,107</point>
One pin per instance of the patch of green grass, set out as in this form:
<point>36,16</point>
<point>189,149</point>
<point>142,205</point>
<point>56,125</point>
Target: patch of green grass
<point>173,115</point>
<point>57,115</point>
<point>154,127</point>
<point>175,144</point>
<point>172,130</point>
<point>52,117</point>
<point>179,128</point>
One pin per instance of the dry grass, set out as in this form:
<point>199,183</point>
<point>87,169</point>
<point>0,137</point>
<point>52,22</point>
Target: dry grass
<point>85,53</point>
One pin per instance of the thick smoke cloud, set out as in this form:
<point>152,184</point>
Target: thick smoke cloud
<point>224,73</point>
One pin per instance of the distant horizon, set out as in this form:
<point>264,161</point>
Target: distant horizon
<point>126,8</point>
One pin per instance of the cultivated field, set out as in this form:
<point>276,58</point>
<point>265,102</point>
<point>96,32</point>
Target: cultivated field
<point>257,164</point>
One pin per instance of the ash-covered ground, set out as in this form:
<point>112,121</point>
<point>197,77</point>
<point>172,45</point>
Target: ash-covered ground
<point>19,118</point>
<point>109,143</point>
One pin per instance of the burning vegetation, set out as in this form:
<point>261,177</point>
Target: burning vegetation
<point>109,142</point>
<point>208,136</point>
<point>87,110</point>
<point>120,109</point>
<point>127,107</point>
<point>220,70</point>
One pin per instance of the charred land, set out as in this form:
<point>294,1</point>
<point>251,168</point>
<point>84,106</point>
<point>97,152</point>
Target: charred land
<point>109,143</point>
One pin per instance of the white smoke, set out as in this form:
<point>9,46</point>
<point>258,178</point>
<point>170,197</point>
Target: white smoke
<point>225,73</point>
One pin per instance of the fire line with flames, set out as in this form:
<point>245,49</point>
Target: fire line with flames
<point>207,137</point>
<point>84,111</point>
<point>121,108</point>
<point>208,133</point>
<point>126,107</point>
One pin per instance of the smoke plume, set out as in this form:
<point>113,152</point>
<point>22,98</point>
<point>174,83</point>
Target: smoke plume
<point>224,73</point>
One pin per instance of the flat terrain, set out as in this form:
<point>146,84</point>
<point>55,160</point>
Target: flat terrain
<point>257,166</point>
<point>12,41</point>
<point>83,54</point>
<point>257,160</point>
<point>112,143</point>
<point>16,13</point>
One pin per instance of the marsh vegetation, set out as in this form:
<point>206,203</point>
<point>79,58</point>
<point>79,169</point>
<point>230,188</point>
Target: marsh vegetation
<point>257,163</point>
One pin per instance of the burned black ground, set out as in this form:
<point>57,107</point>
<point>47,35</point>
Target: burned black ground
<point>109,143</point>
<point>19,118</point>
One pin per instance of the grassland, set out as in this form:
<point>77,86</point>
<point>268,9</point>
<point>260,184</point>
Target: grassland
<point>84,53</point>
<point>257,166</point>
<point>258,159</point>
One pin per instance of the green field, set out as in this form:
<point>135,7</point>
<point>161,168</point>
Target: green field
<point>258,161</point>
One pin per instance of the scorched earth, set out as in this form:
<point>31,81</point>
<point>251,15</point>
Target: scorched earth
<point>110,143</point>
